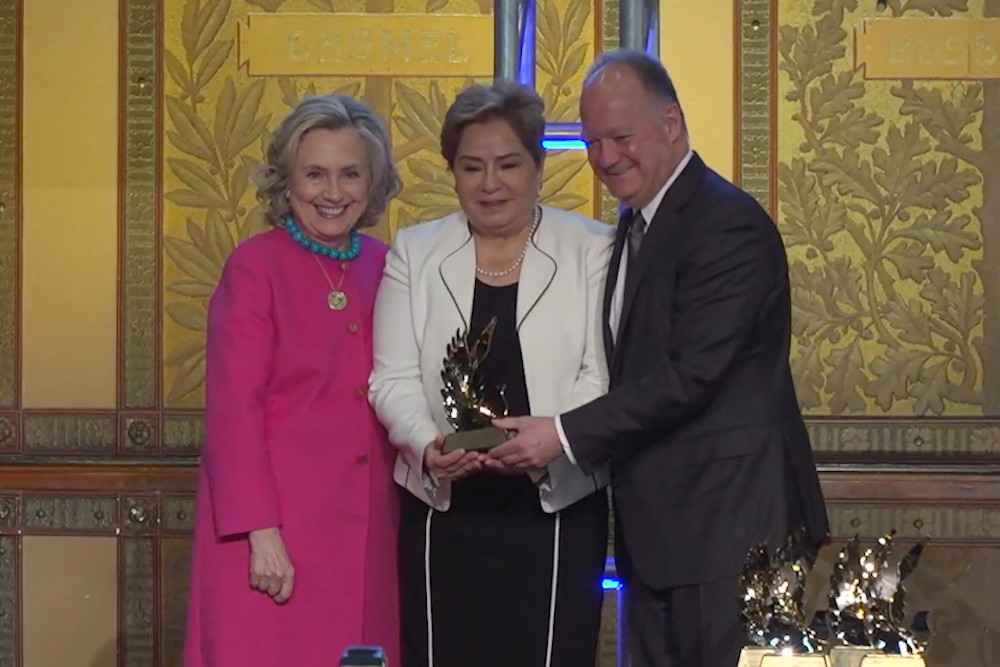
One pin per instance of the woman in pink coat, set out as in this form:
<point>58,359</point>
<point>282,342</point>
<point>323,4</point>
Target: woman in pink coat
<point>295,537</point>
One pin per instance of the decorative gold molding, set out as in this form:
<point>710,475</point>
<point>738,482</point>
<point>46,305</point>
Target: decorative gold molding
<point>139,238</point>
<point>183,434</point>
<point>139,434</point>
<point>833,439</point>
<point>178,513</point>
<point>175,577</point>
<point>942,523</point>
<point>70,433</point>
<point>608,40</point>
<point>139,608</point>
<point>10,434</point>
<point>609,638</point>
<point>139,514</point>
<point>8,514</point>
<point>909,439</point>
<point>102,433</point>
<point>8,600</point>
<point>609,25</point>
<point>76,512</point>
<point>754,110</point>
<point>96,514</point>
<point>9,205</point>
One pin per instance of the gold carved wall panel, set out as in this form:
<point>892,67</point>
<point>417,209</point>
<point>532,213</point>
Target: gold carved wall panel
<point>887,194</point>
<point>881,202</point>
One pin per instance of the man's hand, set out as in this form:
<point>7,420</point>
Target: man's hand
<point>271,570</point>
<point>497,466</point>
<point>535,446</point>
<point>453,465</point>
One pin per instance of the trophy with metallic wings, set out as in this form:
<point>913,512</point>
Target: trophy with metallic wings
<point>867,598</point>
<point>771,598</point>
<point>463,393</point>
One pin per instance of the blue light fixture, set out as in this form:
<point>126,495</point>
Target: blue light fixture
<point>611,584</point>
<point>564,145</point>
<point>563,137</point>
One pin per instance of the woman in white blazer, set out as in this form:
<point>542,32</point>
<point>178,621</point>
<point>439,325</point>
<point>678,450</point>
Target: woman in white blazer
<point>496,568</point>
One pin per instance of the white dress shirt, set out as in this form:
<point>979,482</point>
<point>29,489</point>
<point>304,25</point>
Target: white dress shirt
<point>618,296</point>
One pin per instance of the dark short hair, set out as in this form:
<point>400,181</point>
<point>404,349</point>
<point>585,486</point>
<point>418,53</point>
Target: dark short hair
<point>328,112</point>
<point>517,105</point>
<point>649,70</point>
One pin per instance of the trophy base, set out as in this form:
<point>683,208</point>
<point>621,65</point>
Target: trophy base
<point>753,656</point>
<point>862,656</point>
<point>479,439</point>
<point>848,656</point>
<point>795,661</point>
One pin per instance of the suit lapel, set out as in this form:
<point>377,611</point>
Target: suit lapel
<point>458,272</point>
<point>661,236</point>
<point>537,271</point>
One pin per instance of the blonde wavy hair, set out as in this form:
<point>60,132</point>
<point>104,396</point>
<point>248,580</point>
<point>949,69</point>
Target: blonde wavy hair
<point>327,112</point>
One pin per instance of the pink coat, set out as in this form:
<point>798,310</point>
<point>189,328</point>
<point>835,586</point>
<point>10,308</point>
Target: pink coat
<point>292,442</point>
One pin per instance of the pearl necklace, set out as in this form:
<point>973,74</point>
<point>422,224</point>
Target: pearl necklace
<point>319,248</point>
<point>520,258</point>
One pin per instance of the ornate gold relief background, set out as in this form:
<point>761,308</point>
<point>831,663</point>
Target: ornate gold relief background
<point>887,202</point>
<point>216,122</point>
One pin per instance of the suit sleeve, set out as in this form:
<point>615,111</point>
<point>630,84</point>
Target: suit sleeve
<point>717,299</point>
<point>236,457</point>
<point>396,389</point>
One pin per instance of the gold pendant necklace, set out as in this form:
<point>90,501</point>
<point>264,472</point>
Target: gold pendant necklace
<point>336,299</point>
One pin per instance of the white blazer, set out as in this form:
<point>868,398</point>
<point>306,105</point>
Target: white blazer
<point>426,296</point>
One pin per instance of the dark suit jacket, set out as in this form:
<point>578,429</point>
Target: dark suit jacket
<point>708,451</point>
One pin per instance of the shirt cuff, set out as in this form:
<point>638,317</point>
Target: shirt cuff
<point>564,441</point>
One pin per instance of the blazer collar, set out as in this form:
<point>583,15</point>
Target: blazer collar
<point>458,266</point>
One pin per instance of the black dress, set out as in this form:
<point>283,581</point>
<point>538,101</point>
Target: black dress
<point>495,558</point>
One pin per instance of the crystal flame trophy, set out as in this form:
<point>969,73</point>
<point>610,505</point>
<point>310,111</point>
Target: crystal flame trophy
<point>867,607</point>
<point>771,607</point>
<point>463,393</point>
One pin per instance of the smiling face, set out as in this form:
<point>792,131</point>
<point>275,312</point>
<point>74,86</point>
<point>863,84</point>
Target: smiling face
<point>634,140</point>
<point>496,178</point>
<point>329,184</point>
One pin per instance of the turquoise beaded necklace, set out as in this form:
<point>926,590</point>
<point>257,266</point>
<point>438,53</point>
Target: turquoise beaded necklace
<point>319,248</point>
<point>337,299</point>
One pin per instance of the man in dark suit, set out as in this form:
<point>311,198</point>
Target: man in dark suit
<point>701,427</point>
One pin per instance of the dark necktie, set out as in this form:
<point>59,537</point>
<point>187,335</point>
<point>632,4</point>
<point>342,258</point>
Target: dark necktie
<point>635,233</point>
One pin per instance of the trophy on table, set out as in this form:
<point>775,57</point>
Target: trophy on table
<point>866,607</point>
<point>771,607</point>
<point>464,393</point>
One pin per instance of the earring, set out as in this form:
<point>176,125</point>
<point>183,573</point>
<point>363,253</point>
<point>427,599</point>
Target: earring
<point>288,193</point>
